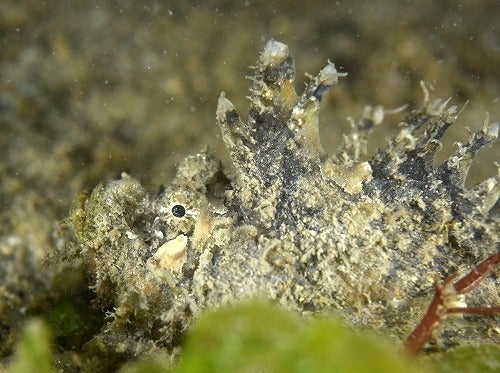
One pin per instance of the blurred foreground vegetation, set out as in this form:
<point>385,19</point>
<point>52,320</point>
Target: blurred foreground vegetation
<point>257,337</point>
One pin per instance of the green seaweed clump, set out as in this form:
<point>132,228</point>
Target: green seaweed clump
<point>259,338</point>
<point>467,359</point>
<point>33,352</point>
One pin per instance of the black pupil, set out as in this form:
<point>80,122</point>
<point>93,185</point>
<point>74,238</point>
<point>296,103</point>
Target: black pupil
<point>178,211</point>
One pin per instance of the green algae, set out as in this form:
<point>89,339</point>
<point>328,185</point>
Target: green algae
<point>34,349</point>
<point>467,359</point>
<point>260,338</point>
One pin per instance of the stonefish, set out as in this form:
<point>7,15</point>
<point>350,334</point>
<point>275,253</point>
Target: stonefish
<point>361,237</point>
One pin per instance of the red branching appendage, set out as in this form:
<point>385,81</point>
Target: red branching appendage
<point>444,296</point>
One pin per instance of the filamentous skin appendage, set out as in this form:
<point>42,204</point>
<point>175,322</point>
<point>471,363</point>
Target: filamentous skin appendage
<point>316,233</point>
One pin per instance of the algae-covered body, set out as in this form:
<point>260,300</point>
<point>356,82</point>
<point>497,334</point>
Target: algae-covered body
<point>356,236</point>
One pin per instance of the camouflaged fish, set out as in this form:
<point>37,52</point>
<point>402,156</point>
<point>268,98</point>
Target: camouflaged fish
<point>316,233</point>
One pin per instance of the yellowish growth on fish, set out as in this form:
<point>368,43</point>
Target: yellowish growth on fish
<point>172,254</point>
<point>350,179</point>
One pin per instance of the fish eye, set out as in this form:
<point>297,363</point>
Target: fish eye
<point>178,211</point>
